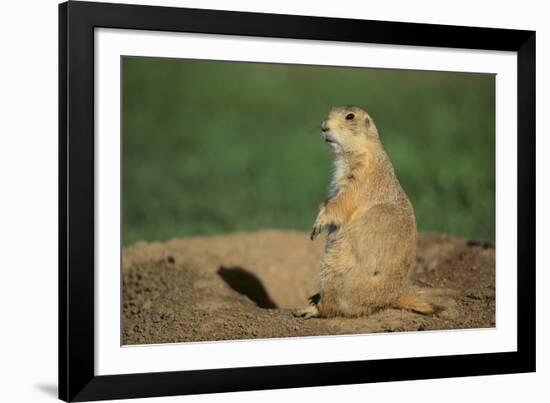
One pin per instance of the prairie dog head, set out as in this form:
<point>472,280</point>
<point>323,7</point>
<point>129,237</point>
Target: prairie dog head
<point>348,129</point>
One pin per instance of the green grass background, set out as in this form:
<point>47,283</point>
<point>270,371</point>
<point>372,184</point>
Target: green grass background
<point>215,147</point>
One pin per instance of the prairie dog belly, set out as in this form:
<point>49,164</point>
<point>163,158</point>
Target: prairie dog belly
<point>368,259</point>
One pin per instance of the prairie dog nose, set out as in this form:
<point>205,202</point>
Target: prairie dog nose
<point>324,126</point>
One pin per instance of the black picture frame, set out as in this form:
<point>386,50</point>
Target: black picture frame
<point>77,379</point>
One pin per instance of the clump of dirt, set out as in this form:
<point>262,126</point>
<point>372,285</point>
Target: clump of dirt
<point>245,285</point>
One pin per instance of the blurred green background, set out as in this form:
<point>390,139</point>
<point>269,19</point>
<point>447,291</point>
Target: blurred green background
<point>214,147</point>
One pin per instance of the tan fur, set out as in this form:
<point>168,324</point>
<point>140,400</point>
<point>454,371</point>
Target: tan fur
<point>371,241</point>
<point>414,304</point>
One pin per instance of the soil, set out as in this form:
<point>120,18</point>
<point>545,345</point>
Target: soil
<point>245,285</point>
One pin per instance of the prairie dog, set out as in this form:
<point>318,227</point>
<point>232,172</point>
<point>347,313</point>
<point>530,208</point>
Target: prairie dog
<point>371,241</point>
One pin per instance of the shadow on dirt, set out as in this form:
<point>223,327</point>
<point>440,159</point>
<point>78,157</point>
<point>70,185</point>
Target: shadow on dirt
<point>248,284</point>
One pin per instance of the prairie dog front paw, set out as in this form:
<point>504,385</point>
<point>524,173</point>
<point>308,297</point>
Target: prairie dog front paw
<point>318,226</point>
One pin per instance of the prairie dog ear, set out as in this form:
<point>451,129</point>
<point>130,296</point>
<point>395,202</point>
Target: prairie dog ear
<point>367,121</point>
<point>370,127</point>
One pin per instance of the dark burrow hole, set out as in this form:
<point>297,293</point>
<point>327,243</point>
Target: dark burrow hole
<point>247,284</point>
<point>484,245</point>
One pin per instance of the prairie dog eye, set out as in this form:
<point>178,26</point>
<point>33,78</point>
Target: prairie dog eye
<point>350,116</point>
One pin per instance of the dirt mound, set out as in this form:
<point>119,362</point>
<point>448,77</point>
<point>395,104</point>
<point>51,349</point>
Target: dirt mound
<point>243,286</point>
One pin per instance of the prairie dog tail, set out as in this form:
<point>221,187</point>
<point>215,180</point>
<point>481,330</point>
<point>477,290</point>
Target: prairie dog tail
<point>415,304</point>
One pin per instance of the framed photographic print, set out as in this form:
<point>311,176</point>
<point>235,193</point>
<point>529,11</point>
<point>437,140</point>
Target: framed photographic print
<point>259,201</point>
